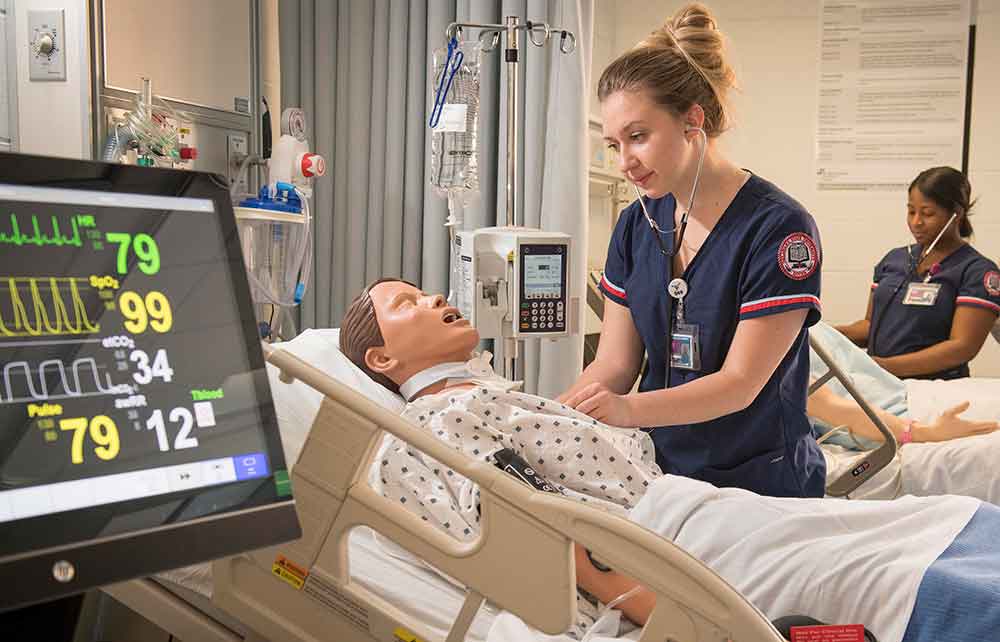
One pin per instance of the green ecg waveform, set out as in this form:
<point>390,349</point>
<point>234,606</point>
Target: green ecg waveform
<point>22,326</point>
<point>16,237</point>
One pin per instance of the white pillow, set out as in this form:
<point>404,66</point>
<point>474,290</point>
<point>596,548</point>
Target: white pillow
<point>296,403</point>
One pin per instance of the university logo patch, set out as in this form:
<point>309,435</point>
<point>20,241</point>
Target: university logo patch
<point>991,281</point>
<point>798,257</point>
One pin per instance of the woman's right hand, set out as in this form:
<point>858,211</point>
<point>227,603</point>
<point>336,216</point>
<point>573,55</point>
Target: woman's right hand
<point>950,426</point>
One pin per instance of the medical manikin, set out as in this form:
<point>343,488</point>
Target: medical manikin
<point>413,343</point>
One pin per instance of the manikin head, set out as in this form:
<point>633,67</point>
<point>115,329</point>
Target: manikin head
<point>656,96</point>
<point>393,330</point>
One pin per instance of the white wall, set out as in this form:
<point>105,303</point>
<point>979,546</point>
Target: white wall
<point>54,116</point>
<point>270,62</point>
<point>774,48</point>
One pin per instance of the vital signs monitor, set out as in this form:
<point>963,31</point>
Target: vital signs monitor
<point>137,430</point>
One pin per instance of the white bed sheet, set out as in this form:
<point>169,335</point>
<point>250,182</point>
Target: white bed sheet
<point>926,399</point>
<point>836,560</point>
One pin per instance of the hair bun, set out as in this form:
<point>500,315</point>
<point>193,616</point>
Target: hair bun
<point>683,62</point>
<point>692,16</point>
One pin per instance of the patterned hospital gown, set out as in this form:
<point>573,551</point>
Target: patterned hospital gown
<point>606,467</point>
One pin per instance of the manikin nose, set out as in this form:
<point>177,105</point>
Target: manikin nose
<point>436,301</point>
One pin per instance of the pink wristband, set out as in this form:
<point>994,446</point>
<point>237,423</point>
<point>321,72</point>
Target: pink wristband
<point>907,436</point>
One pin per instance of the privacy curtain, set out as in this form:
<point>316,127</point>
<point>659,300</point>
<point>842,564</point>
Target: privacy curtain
<point>361,69</point>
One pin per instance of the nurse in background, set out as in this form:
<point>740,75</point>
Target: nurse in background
<point>932,303</point>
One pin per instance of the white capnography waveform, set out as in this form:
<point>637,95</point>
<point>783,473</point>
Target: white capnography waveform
<point>42,392</point>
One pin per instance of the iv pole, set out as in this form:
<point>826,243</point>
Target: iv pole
<point>510,29</point>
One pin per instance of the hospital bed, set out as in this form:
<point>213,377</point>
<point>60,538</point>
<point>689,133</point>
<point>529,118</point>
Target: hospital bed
<point>957,467</point>
<point>317,587</point>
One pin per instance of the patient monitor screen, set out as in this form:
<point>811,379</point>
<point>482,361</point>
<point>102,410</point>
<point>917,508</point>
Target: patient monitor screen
<point>128,399</point>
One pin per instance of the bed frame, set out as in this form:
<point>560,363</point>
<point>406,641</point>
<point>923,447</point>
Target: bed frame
<point>873,461</point>
<point>302,591</point>
<point>522,561</point>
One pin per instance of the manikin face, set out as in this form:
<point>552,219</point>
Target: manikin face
<point>420,330</point>
<point>925,218</point>
<point>653,150</point>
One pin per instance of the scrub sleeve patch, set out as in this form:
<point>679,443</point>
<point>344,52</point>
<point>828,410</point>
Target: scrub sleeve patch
<point>782,270</point>
<point>798,257</point>
<point>991,281</point>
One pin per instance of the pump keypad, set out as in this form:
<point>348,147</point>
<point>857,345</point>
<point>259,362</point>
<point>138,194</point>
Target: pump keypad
<point>541,313</point>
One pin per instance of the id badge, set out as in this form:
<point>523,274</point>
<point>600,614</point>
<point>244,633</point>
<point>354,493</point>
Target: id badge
<point>685,352</point>
<point>925,294</point>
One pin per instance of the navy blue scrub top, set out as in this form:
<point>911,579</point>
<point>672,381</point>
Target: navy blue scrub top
<point>763,257</point>
<point>966,278</point>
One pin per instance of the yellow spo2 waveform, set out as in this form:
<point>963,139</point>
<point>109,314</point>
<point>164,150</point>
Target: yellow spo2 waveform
<point>43,321</point>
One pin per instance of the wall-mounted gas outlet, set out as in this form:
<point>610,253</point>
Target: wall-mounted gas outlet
<point>46,41</point>
<point>237,148</point>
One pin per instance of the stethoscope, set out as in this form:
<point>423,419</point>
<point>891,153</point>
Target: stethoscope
<point>677,288</point>
<point>914,266</point>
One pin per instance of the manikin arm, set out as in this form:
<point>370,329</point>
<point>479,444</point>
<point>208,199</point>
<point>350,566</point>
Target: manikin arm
<point>610,585</point>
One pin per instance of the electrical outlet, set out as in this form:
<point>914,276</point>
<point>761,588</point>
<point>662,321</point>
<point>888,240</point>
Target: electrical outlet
<point>237,148</point>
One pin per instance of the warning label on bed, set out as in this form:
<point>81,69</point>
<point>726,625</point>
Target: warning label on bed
<point>829,633</point>
<point>289,571</point>
<point>329,595</point>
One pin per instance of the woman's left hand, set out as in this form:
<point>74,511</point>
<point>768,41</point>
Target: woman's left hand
<point>603,405</point>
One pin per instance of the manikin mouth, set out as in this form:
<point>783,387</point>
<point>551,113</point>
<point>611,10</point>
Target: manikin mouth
<point>451,315</point>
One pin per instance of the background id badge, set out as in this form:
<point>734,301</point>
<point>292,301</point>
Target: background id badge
<point>921,294</point>
<point>685,353</point>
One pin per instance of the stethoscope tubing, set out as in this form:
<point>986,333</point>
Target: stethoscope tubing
<point>679,238</point>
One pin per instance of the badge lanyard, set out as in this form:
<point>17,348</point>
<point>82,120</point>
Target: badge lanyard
<point>683,347</point>
<point>923,293</point>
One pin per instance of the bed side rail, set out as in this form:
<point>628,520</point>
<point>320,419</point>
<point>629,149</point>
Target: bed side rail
<point>527,534</point>
<point>873,461</point>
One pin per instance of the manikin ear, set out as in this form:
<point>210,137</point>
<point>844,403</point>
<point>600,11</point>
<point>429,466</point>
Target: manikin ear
<point>378,361</point>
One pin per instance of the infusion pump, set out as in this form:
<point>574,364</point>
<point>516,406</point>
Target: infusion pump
<point>514,282</point>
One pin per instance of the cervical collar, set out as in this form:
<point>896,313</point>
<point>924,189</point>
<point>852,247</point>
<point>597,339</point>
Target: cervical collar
<point>477,369</point>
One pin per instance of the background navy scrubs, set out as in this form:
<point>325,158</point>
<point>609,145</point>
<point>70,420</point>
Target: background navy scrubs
<point>763,257</point>
<point>966,278</point>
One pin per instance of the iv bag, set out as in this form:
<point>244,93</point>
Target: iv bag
<point>455,139</point>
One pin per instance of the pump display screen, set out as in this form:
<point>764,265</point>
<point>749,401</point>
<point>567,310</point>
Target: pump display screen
<point>543,275</point>
<point>132,390</point>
